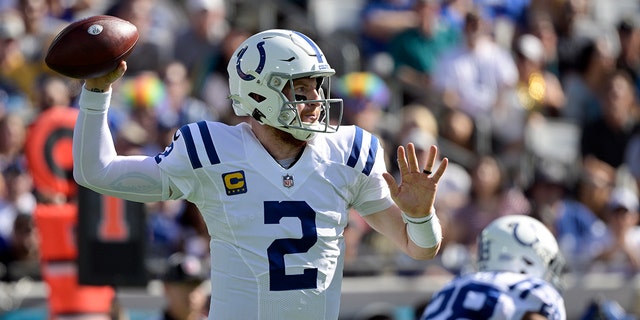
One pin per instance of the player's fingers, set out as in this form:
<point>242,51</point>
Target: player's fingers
<point>402,161</point>
<point>391,182</point>
<point>412,158</point>
<point>431,159</point>
<point>116,74</point>
<point>441,169</point>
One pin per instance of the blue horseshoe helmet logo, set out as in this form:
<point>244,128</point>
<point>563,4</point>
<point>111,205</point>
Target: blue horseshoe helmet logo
<point>263,59</point>
<point>524,241</point>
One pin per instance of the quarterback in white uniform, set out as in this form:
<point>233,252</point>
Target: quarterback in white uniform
<point>519,265</point>
<point>275,191</point>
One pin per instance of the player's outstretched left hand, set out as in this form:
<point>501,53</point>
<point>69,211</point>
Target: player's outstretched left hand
<point>416,193</point>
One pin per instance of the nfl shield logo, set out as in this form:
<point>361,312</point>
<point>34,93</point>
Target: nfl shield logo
<point>287,181</point>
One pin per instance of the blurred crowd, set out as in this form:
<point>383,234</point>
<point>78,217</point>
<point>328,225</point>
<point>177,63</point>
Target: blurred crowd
<point>534,102</point>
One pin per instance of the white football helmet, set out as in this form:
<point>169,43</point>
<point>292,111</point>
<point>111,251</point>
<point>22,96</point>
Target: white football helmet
<point>260,68</point>
<point>520,244</point>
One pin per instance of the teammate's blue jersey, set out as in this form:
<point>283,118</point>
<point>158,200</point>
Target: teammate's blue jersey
<point>276,233</point>
<point>495,296</point>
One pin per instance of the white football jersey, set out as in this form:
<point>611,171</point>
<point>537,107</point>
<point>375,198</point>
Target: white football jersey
<point>276,233</point>
<point>495,296</point>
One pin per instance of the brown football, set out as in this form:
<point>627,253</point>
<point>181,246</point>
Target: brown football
<point>91,47</point>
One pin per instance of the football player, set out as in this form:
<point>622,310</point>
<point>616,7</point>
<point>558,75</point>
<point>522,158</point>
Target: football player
<point>518,276</point>
<point>274,191</point>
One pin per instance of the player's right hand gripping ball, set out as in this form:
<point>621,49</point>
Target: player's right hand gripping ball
<point>91,47</point>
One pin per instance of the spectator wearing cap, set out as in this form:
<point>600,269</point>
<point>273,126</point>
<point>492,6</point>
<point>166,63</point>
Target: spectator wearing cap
<point>539,90</point>
<point>537,96</point>
<point>185,296</point>
<point>621,251</point>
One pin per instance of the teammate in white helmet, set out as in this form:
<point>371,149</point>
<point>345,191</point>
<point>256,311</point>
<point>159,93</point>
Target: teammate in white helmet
<point>275,191</point>
<point>519,265</point>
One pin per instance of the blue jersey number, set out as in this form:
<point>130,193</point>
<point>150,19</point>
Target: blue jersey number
<point>458,308</point>
<point>279,280</point>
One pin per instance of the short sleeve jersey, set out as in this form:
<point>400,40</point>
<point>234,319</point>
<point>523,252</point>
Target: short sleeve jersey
<point>276,233</point>
<point>495,296</point>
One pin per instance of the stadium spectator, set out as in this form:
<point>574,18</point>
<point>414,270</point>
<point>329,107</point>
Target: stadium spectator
<point>540,24</point>
<point>179,106</point>
<point>594,185</point>
<point>21,257</point>
<point>20,189</point>
<point>380,21</point>
<point>492,195</point>
<point>166,235</point>
<point>415,51</point>
<point>13,132</point>
<point>584,73</point>
<point>184,290</point>
<point>606,138</point>
<point>621,252</point>
<point>539,90</point>
<point>628,30</point>
<point>54,91</point>
<point>473,75</point>
<point>40,28</point>
<point>156,26</point>
<point>457,137</point>
<point>538,96</point>
<point>454,11</point>
<point>199,44</point>
<point>578,230</point>
<point>16,73</point>
<point>75,10</point>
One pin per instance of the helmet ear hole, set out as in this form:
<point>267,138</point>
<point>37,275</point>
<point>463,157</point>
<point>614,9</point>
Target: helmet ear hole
<point>256,97</point>
<point>527,261</point>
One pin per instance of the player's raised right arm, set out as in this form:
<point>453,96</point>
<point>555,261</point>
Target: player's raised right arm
<point>96,163</point>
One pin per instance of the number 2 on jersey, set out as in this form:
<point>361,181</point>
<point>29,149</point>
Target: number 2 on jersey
<point>279,280</point>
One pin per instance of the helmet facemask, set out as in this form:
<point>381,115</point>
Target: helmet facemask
<point>289,119</point>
